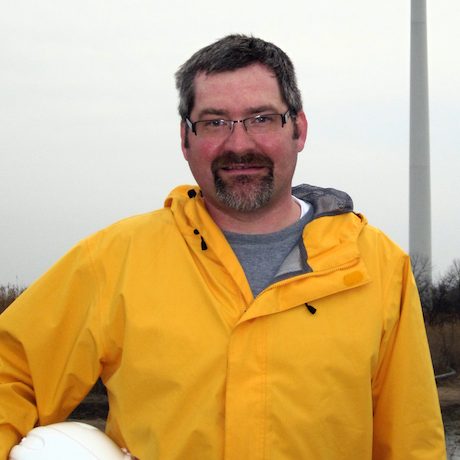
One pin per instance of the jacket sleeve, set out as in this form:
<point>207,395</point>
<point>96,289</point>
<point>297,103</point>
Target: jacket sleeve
<point>407,417</point>
<point>49,348</point>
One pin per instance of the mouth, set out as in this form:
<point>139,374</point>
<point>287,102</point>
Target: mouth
<point>251,163</point>
<point>245,168</point>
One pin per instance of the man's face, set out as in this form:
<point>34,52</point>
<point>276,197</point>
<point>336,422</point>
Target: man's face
<point>242,171</point>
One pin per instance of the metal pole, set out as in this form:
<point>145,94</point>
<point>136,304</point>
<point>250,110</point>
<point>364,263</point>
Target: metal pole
<point>420,192</point>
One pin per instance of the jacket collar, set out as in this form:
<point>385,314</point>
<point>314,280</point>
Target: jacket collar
<point>329,254</point>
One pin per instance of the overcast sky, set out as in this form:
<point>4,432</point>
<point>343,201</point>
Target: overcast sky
<point>89,131</point>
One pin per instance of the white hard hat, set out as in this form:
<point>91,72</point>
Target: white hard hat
<point>69,440</point>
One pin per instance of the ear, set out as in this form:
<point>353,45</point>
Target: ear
<point>184,133</point>
<point>302,126</point>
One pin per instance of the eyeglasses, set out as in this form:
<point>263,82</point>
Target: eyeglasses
<point>259,124</point>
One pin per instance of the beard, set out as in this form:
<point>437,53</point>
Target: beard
<point>243,192</point>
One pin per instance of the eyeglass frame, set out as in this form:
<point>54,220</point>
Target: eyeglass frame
<point>284,117</point>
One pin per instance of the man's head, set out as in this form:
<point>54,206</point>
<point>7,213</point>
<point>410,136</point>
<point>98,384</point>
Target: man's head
<point>242,123</point>
<point>235,52</point>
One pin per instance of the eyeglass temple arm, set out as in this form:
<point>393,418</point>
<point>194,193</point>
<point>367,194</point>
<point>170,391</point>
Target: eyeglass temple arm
<point>191,125</point>
<point>285,116</point>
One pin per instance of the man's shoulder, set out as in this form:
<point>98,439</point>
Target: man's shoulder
<point>141,226</point>
<point>377,247</point>
<point>155,218</point>
<point>378,236</point>
<point>342,221</point>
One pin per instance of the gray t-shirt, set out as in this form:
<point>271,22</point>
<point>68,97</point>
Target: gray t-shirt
<point>261,255</point>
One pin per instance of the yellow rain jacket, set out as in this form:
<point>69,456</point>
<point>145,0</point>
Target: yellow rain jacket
<point>328,363</point>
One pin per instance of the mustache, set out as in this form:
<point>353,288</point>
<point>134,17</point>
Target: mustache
<point>228,159</point>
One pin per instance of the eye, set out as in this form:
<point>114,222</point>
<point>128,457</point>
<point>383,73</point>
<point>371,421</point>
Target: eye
<point>214,123</point>
<point>262,119</point>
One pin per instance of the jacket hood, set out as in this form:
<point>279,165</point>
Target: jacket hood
<point>325,201</point>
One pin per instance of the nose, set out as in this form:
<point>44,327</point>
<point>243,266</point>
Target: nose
<point>239,139</point>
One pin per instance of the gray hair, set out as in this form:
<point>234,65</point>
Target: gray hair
<point>235,52</point>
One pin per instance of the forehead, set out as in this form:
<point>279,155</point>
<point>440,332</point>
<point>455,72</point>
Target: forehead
<point>237,90</point>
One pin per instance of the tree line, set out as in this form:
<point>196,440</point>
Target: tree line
<point>440,298</point>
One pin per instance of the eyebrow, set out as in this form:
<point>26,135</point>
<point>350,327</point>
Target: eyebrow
<point>211,111</point>
<point>250,111</point>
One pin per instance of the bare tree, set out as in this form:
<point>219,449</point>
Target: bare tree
<point>421,267</point>
<point>8,294</point>
<point>447,292</point>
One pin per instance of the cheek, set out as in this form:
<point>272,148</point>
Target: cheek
<point>202,153</point>
<point>279,148</point>
<point>285,156</point>
<point>200,160</point>
<point>206,147</point>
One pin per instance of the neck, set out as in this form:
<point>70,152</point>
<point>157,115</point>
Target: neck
<point>269,219</point>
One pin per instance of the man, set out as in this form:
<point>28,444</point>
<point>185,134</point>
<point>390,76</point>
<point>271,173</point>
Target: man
<point>246,319</point>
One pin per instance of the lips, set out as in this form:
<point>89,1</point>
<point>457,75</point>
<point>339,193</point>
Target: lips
<point>241,167</point>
